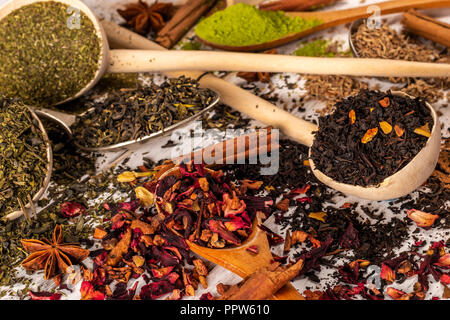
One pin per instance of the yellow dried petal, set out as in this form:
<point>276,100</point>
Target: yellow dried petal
<point>352,116</point>
<point>369,135</point>
<point>318,216</point>
<point>127,176</point>
<point>130,176</point>
<point>306,163</point>
<point>386,127</point>
<point>423,130</point>
<point>145,197</point>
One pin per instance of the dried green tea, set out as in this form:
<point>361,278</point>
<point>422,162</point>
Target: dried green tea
<point>23,161</point>
<point>130,114</point>
<point>48,53</point>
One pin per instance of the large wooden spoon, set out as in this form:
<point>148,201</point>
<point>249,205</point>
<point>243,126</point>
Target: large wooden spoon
<point>335,18</point>
<point>120,61</point>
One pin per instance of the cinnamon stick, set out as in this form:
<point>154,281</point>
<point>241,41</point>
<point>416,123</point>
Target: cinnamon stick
<point>427,27</point>
<point>247,152</point>
<point>295,5</point>
<point>185,17</point>
<point>264,283</point>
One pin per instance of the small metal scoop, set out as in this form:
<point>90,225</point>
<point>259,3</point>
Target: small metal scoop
<point>16,214</point>
<point>66,120</point>
<point>353,29</point>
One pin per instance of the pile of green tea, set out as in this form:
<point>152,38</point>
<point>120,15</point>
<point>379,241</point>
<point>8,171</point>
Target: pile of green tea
<point>130,114</point>
<point>243,25</point>
<point>370,136</point>
<point>48,53</point>
<point>23,161</point>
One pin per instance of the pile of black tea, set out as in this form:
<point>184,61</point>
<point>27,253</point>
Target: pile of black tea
<point>130,114</point>
<point>23,161</point>
<point>48,53</point>
<point>370,136</point>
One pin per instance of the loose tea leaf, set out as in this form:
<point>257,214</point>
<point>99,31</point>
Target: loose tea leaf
<point>43,59</point>
<point>23,161</point>
<point>131,114</point>
<point>357,153</point>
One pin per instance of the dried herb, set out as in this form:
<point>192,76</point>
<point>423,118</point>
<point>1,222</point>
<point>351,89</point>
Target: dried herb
<point>23,164</point>
<point>46,60</point>
<point>131,114</point>
<point>358,153</point>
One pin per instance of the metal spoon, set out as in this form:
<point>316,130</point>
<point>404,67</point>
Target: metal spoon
<point>66,120</point>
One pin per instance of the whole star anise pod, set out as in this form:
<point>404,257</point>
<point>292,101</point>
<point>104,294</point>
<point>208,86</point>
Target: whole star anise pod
<point>257,76</point>
<point>143,18</point>
<point>52,256</point>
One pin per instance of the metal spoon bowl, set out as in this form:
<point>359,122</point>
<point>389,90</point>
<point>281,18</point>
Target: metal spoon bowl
<point>17,214</point>
<point>66,120</point>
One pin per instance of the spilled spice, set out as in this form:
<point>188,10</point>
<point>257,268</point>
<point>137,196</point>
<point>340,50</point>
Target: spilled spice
<point>24,161</point>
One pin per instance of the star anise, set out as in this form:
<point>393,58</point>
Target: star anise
<point>143,18</point>
<point>52,256</point>
<point>257,76</point>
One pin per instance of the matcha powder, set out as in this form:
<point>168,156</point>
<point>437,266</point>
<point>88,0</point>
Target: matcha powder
<point>242,25</point>
<point>48,53</point>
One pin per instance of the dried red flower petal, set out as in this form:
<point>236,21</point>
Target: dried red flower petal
<point>387,273</point>
<point>397,294</point>
<point>218,227</point>
<point>156,289</point>
<point>350,239</point>
<point>444,261</point>
<point>445,278</point>
<point>88,292</point>
<point>422,219</point>
<point>44,295</point>
<point>72,209</point>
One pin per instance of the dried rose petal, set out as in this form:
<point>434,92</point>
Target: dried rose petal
<point>445,278</point>
<point>387,273</point>
<point>219,228</point>
<point>397,294</point>
<point>161,272</point>
<point>232,206</point>
<point>88,292</point>
<point>44,295</point>
<point>72,209</point>
<point>253,249</point>
<point>422,219</point>
<point>444,261</point>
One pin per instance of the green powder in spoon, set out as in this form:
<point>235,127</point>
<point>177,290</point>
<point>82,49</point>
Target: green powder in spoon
<point>243,25</point>
<point>48,53</point>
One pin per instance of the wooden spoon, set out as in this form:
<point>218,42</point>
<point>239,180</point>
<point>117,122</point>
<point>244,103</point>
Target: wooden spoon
<point>238,259</point>
<point>121,61</point>
<point>334,18</point>
<point>399,184</point>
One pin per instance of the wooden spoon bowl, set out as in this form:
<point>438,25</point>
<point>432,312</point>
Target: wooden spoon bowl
<point>334,18</point>
<point>238,259</point>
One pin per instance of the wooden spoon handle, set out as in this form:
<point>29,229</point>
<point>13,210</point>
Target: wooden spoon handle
<point>149,61</point>
<point>337,17</point>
